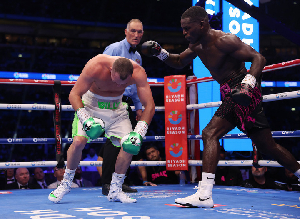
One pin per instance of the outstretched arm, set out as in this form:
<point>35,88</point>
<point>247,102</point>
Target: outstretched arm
<point>152,48</point>
<point>181,60</point>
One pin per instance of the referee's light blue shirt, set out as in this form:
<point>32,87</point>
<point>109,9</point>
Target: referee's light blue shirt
<point>122,49</point>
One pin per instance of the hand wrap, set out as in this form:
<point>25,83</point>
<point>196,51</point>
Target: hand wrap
<point>242,93</point>
<point>94,127</point>
<point>132,142</point>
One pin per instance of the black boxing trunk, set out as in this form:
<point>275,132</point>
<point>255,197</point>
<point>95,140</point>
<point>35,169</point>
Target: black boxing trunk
<point>246,118</point>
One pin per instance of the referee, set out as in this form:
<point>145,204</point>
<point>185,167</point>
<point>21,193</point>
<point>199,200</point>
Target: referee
<point>108,152</point>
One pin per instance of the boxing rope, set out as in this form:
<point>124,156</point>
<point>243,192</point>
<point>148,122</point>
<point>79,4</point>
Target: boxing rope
<point>57,107</point>
<point>268,68</point>
<point>275,134</point>
<point>244,163</point>
<point>266,98</point>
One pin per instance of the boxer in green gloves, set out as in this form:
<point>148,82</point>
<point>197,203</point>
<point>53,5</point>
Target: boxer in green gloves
<point>97,99</point>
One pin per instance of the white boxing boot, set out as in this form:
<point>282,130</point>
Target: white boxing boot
<point>203,197</point>
<point>115,192</point>
<point>63,188</point>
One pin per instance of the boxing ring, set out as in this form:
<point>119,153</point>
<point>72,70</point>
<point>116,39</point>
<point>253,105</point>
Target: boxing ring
<point>153,202</point>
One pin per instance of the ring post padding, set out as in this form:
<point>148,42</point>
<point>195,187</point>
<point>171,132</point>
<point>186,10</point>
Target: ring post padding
<point>175,123</point>
<point>57,124</point>
<point>256,156</point>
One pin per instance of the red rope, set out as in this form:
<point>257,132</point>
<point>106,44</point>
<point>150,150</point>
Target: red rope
<point>273,67</point>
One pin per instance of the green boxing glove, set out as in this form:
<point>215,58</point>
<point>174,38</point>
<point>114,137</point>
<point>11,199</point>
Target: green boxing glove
<point>132,142</point>
<point>93,127</point>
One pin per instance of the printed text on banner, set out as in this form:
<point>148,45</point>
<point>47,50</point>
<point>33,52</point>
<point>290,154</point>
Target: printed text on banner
<point>176,123</point>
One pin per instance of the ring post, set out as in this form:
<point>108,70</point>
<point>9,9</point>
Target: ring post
<point>57,124</point>
<point>193,129</point>
<point>176,123</point>
<point>256,156</point>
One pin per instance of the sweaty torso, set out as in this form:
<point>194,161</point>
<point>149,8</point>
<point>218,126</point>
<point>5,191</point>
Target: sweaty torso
<point>103,84</point>
<point>220,64</point>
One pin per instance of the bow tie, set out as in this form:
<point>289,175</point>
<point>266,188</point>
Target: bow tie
<point>132,49</point>
<point>23,187</point>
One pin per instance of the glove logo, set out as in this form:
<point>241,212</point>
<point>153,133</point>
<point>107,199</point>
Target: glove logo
<point>174,118</point>
<point>174,86</point>
<point>135,141</point>
<point>88,126</point>
<point>175,150</point>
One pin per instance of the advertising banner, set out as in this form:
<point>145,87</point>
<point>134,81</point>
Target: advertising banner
<point>175,123</point>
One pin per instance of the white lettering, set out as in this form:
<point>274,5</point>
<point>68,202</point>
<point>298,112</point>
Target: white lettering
<point>135,217</point>
<point>247,28</point>
<point>209,11</point>
<point>211,2</point>
<point>249,2</point>
<point>248,41</point>
<point>37,211</point>
<point>107,213</point>
<point>91,209</point>
<point>232,29</point>
<point>245,16</point>
<point>234,12</point>
<point>51,216</point>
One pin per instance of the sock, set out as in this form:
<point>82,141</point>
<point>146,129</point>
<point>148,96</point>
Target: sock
<point>69,176</point>
<point>117,181</point>
<point>297,173</point>
<point>208,178</point>
<point>206,185</point>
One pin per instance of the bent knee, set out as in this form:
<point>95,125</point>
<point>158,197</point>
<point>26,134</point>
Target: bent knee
<point>207,134</point>
<point>211,134</point>
<point>79,142</point>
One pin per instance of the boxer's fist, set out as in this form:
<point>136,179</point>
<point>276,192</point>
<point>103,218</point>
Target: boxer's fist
<point>94,128</point>
<point>151,48</point>
<point>242,94</point>
<point>132,143</point>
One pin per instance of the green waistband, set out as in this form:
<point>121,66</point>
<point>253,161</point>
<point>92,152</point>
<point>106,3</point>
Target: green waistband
<point>108,105</point>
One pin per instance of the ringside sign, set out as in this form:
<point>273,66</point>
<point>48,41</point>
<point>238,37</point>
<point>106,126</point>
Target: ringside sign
<point>176,123</point>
